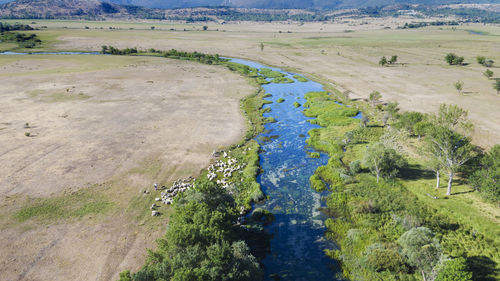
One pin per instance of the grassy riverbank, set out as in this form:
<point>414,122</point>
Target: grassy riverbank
<point>368,217</point>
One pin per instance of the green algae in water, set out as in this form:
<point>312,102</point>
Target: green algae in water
<point>300,78</point>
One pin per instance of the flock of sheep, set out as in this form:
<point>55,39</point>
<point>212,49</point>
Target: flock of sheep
<point>224,168</point>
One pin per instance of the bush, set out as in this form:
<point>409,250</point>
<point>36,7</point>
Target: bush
<point>453,59</point>
<point>381,257</point>
<point>454,270</point>
<point>355,166</point>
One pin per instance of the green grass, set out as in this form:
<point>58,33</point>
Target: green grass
<point>76,205</point>
<point>268,73</point>
<point>300,78</point>
<point>282,80</point>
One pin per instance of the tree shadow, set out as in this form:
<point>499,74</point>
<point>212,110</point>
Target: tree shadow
<point>416,172</point>
<point>483,268</point>
<point>462,192</point>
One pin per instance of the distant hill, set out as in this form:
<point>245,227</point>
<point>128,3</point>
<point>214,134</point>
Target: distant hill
<point>278,4</point>
<point>287,4</point>
<point>90,9</point>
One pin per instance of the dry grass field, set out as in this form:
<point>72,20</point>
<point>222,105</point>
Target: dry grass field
<point>102,130</point>
<point>345,54</point>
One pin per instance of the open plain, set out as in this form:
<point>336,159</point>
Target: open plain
<point>102,129</point>
<point>345,53</point>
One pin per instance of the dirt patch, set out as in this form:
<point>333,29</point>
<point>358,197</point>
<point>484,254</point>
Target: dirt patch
<point>116,131</point>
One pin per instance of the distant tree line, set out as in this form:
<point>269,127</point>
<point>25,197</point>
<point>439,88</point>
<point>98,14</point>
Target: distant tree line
<point>13,27</point>
<point>174,54</point>
<point>424,24</point>
<point>24,40</point>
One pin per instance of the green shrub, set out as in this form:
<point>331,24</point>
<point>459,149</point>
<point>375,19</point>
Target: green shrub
<point>314,155</point>
<point>454,270</point>
<point>280,100</point>
<point>355,166</point>
<point>381,257</point>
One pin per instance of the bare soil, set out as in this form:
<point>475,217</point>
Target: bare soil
<point>114,125</point>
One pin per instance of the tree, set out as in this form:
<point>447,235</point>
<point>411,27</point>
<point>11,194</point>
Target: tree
<point>364,120</point>
<point>383,161</point>
<point>104,49</point>
<point>453,59</point>
<point>452,117</point>
<point>421,128</point>
<point>205,28</point>
<point>496,86</point>
<point>408,120</point>
<point>486,179</point>
<point>454,270</point>
<point>261,46</point>
<point>452,148</point>
<point>393,59</point>
<point>450,58</point>
<point>488,73</point>
<point>480,59</point>
<point>421,249</point>
<point>383,61</point>
<point>459,85</point>
<point>374,98</point>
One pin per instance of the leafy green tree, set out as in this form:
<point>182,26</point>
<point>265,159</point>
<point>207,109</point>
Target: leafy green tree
<point>202,242</point>
<point>459,85</point>
<point>450,58</point>
<point>421,249</point>
<point>480,59</point>
<point>453,118</point>
<point>408,120</point>
<point>453,59</point>
<point>383,61</point>
<point>261,46</point>
<point>393,59</point>
<point>458,61</point>
<point>421,128</point>
<point>496,86</point>
<point>452,148</point>
<point>391,109</point>
<point>383,161</point>
<point>454,270</point>
<point>486,179</point>
<point>374,98</point>
<point>488,73</point>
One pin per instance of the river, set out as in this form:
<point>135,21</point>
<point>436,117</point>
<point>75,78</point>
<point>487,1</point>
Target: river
<point>298,242</point>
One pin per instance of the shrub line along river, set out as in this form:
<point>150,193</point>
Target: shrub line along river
<point>298,242</point>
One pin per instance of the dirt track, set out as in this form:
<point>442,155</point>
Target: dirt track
<point>117,124</point>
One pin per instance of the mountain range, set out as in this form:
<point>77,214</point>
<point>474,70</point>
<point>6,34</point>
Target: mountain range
<point>276,4</point>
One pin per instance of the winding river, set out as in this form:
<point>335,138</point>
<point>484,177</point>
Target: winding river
<point>298,243</point>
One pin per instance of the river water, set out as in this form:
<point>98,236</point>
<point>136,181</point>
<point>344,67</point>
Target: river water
<point>297,243</point>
